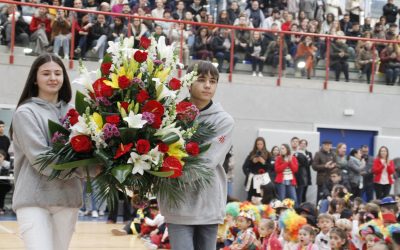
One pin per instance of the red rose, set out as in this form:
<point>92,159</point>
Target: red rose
<point>144,42</point>
<point>154,107</point>
<point>105,68</point>
<point>72,115</point>
<point>261,171</point>
<point>142,96</point>
<point>125,105</point>
<point>140,56</point>
<point>157,122</point>
<point>113,119</point>
<point>123,149</point>
<point>192,148</point>
<point>174,84</point>
<point>81,144</point>
<point>123,82</point>
<point>72,112</point>
<point>101,89</point>
<point>142,146</point>
<point>172,164</point>
<point>162,147</point>
<point>182,106</point>
<point>73,120</point>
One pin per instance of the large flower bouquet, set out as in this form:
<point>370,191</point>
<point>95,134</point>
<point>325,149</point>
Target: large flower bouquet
<point>132,121</point>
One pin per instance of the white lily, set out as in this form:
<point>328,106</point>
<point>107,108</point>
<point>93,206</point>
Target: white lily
<point>86,78</point>
<point>170,129</point>
<point>165,52</point>
<point>139,162</point>
<point>135,121</point>
<point>163,91</point>
<point>155,155</point>
<point>80,128</point>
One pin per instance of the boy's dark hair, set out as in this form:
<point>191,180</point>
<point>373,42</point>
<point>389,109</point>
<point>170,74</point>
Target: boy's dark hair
<point>1,122</point>
<point>346,214</point>
<point>3,153</point>
<point>204,68</point>
<point>294,138</point>
<point>336,171</point>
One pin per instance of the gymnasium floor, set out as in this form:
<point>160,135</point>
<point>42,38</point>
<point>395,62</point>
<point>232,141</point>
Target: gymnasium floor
<point>90,234</point>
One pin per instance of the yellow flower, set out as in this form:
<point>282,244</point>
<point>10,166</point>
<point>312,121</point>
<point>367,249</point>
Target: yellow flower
<point>114,78</point>
<point>162,75</point>
<point>98,120</point>
<point>175,149</point>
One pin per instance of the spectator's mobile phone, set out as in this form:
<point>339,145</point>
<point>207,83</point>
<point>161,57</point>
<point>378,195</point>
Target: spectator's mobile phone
<point>258,153</point>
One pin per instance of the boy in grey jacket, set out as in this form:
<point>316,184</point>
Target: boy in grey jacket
<point>194,223</point>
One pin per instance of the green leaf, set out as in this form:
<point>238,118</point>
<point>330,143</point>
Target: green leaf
<point>160,174</point>
<point>170,138</point>
<point>204,147</point>
<point>80,103</point>
<point>75,164</point>
<point>56,127</point>
<point>128,135</point>
<point>121,172</point>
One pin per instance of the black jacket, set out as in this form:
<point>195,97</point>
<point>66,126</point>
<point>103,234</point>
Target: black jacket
<point>336,48</point>
<point>301,174</point>
<point>390,12</point>
<point>96,31</point>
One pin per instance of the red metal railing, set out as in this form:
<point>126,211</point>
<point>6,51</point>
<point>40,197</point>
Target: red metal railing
<point>328,38</point>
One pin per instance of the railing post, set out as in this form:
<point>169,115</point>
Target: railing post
<point>327,61</point>
<point>232,56</point>
<point>280,66</point>
<point>129,33</point>
<point>371,84</point>
<point>72,45</point>
<point>12,42</point>
<point>181,53</point>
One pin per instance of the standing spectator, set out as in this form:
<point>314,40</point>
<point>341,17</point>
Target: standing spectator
<point>195,7</point>
<point>202,44</point>
<point>365,58</point>
<point>286,167</point>
<point>256,163</point>
<point>82,27</point>
<point>118,6</point>
<point>368,177</point>
<point>356,169</point>
<point>141,5</point>
<point>390,64</point>
<point>257,50</point>
<point>21,27</point>
<point>320,12</point>
<point>180,10</point>
<point>383,170</point>
<point>4,141</point>
<point>61,34</point>
<point>333,6</point>
<point>301,175</point>
<point>234,12</point>
<point>306,52</point>
<point>309,7</point>
<point>324,161</point>
<point>40,28</point>
<point>158,12</point>
<point>5,185</point>
<point>273,54</point>
<point>293,7</point>
<point>229,165</point>
<point>99,34</point>
<point>342,162</point>
<point>353,7</point>
<point>271,170</point>
<point>118,29</point>
<point>255,14</point>
<point>339,56</point>
<point>221,44</point>
<point>274,18</point>
<point>303,147</point>
<point>390,11</point>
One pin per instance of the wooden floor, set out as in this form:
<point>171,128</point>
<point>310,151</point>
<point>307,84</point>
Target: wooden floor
<point>88,235</point>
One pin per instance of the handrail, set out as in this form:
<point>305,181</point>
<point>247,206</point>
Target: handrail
<point>231,27</point>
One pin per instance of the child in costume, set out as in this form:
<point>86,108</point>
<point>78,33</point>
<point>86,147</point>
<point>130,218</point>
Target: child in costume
<point>338,239</point>
<point>394,235</point>
<point>290,223</point>
<point>246,239</point>
<point>227,231</point>
<point>371,233</point>
<point>325,223</point>
<point>268,239</point>
<point>306,238</point>
<point>347,226</point>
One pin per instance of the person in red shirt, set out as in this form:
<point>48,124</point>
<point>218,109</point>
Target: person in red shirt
<point>383,170</point>
<point>286,167</point>
<point>40,28</point>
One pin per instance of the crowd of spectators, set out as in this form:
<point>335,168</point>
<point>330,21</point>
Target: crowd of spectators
<point>49,29</point>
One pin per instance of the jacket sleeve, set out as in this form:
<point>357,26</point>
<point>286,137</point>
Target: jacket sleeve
<point>33,142</point>
<point>377,167</point>
<point>383,56</point>
<point>280,165</point>
<point>34,25</point>
<point>294,165</point>
<point>316,164</point>
<point>354,167</point>
<point>246,166</point>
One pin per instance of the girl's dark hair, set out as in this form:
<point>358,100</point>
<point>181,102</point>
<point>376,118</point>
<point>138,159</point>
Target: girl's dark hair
<point>269,193</point>
<point>311,230</point>
<point>3,153</point>
<point>31,88</point>
<point>288,151</point>
<point>264,152</point>
<point>342,234</point>
<point>204,68</point>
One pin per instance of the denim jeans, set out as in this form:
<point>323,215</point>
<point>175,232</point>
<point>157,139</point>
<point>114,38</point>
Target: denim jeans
<point>286,190</point>
<point>62,41</point>
<point>391,75</point>
<point>100,45</point>
<point>192,237</point>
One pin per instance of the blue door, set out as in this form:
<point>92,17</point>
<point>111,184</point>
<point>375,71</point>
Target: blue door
<point>352,138</point>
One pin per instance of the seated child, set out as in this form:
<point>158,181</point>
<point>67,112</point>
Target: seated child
<point>372,233</point>
<point>246,238</point>
<point>325,223</point>
<point>268,238</point>
<point>337,239</point>
<point>306,238</point>
<point>290,223</point>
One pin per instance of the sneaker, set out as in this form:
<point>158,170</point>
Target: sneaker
<point>95,214</point>
<point>66,57</point>
<point>118,232</point>
<point>150,245</point>
<point>254,73</point>
<point>78,50</point>
<point>94,50</point>
<point>260,74</point>
<point>101,213</point>
<point>81,213</point>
